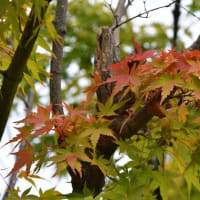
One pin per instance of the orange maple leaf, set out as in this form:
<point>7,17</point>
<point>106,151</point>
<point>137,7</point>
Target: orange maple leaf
<point>25,158</point>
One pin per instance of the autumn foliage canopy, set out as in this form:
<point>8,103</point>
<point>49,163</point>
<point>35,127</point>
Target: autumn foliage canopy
<point>167,84</point>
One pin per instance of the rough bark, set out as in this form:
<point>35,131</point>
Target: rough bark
<point>107,53</point>
<point>14,74</point>
<point>56,63</point>
<point>103,59</point>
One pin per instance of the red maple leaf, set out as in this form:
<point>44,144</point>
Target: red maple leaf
<point>186,62</point>
<point>76,111</point>
<point>25,158</point>
<point>23,133</point>
<point>191,55</point>
<point>63,125</point>
<point>139,54</point>
<point>38,118</point>
<point>124,76</point>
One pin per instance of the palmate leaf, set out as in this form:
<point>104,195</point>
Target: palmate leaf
<point>166,181</point>
<point>139,54</point>
<point>30,81</point>
<point>108,109</point>
<point>29,177</point>
<point>36,69</point>
<point>182,113</point>
<point>86,195</point>
<point>124,76</point>
<point>78,112</point>
<point>167,83</point>
<point>94,130</point>
<point>24,133</point>
<point>95,133</point>
<point>50,194</point>
<point>191,178</point>
<point>43,43</point>
<point>35,124</point>
<point>72,159</point>
<point>42,116</point>
<point>50,27</point>
<point>25,158</point>
<point>191,173</point>
<point>101,163</point>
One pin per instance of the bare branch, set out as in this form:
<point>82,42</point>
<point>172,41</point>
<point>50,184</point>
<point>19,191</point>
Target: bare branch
<point>145,8</point>
<point>109,6</point>
<point>129,3</point>
<point>141,15</point>
<point>120,11</point>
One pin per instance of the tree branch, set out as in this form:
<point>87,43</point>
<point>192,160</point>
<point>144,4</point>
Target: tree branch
<point>190,12</point>
<point>119,13</point>
<point>14,74</point>
<point>141,14</point>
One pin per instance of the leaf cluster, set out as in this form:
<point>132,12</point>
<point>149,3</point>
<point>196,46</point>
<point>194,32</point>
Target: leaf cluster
<point>169,83</point>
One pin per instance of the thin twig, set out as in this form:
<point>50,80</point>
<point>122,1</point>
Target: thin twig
<point>141,14</point>
<point>129,3</point>
<point>109,6</point>
<point>191,13</point>
<point>145,8</point>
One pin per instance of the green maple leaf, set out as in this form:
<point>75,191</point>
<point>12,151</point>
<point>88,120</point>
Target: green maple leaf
<point>95,133</point>
<point>108,109</point>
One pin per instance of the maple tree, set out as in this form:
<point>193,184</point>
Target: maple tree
<point>167,85</point>
<point>147,106</point>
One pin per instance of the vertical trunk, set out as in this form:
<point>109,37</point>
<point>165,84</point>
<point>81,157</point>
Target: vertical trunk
<point>107,53</point>
<point>56,63</point>
<point>56,67</point>
<point>104,58</point>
